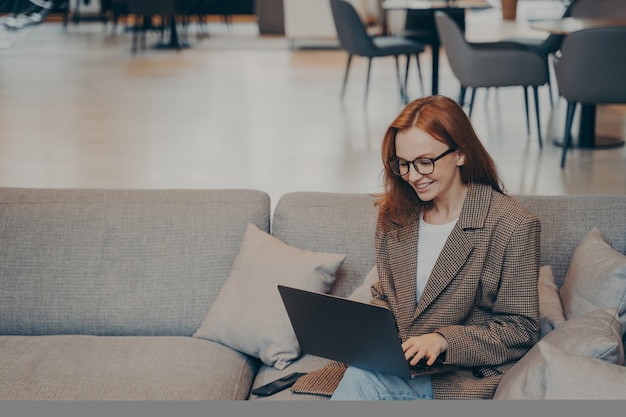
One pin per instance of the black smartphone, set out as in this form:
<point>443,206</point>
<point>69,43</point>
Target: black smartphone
<point>278,385</point>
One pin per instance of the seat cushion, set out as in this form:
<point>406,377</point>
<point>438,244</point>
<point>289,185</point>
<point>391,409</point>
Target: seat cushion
<point>121,368</point>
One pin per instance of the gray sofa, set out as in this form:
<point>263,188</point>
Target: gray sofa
<point>102,292</point>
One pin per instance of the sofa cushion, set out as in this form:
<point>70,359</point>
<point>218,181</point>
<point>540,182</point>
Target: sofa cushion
<point>248,314</point>
<point>572,377</point>
<point>597,334</point>
<point>74,367</point>
<point>305,363</point>
<point>596,278</point>
<point>550,307</point>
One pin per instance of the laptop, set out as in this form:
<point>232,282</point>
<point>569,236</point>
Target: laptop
<point>360,334</point>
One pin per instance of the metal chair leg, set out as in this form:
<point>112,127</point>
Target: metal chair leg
<point>527,111</point>
<point>567,135</point>
<point>536,91</point>
<point>419,74</point>
<point>403,93</point>
<point>367,79</point>
<point>345,77</point>
<point>406,78</point>
<point>471,104</point>
<point>462,92</point>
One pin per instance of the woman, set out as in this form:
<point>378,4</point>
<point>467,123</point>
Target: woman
<point>457,260</point>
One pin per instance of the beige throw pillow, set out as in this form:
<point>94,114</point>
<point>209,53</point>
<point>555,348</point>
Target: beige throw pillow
<point>550,307</point>
<point>597,334</point>
<point>595,278</point>
<point>364,292</point>
<point>248,314</point>
<point>572,377</point>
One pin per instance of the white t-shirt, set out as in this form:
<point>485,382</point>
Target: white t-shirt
<point>432,238</point>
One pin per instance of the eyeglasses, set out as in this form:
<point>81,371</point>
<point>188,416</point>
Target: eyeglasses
<point>424,166</point>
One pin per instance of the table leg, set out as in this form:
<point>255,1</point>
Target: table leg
<point>587,137</point>
<point>174,41</point>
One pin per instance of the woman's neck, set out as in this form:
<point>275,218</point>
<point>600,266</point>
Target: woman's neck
<point>445,210</point>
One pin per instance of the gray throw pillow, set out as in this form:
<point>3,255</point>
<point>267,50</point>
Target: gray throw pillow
<point>550,307</point>
<point>595,278</point>
<point>248,314</point>
<point>364,292</point>
<point>572,377</point>
<point>597,334</point>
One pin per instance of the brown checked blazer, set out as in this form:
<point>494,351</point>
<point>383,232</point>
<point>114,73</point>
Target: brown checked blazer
<point>481,295</point>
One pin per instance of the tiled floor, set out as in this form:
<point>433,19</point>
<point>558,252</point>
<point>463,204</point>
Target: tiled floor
<point>239,110</point>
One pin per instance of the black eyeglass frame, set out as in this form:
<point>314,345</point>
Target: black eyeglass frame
<point>431,160</point>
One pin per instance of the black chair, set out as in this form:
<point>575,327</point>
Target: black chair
<point>590,70</point>
<point>491,64</point>
<point>354,39</point>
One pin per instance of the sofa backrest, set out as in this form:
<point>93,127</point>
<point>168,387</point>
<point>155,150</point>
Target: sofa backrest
<point>116,262</point>
<point>331,222</point>
<point>151,262</point>
<point>345,223</point>
<point>565,220</point>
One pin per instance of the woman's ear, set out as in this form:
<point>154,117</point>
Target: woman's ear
<point>460,158</point>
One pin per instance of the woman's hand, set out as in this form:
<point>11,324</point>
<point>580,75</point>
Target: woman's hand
<point>428,346</point>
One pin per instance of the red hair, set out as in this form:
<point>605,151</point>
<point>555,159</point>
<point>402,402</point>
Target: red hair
<point>443,119</point>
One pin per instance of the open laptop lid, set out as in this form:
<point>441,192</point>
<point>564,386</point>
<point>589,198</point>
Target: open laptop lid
<point>361,334</point>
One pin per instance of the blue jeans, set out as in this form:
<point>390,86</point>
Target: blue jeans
<point>360,384</point>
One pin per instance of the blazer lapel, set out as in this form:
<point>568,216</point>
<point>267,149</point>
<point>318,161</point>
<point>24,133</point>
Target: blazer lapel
<point>458,247</point>
<point>404,270</point>
<point>454,255</point>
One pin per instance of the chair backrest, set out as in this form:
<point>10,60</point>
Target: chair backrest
<point>598,8</point>
<point>489,64</point>
<point>591,66</point>
<point>351,32</point>
<point>457,49</point>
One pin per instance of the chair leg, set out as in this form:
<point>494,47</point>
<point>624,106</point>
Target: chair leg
<point>367,79</point>
<point>406,76</point>
<point>550,91</point>
<point>527,111</point>
<point>462,92</point>
<point>549,65</point>
<point>403,94</point>
<point>567,135</point>
<point>536,91</point>
<point>419,74</point>
<point>345,77</point>
<point>471,104</point>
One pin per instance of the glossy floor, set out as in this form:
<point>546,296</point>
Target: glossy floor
<point>239,110</point>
